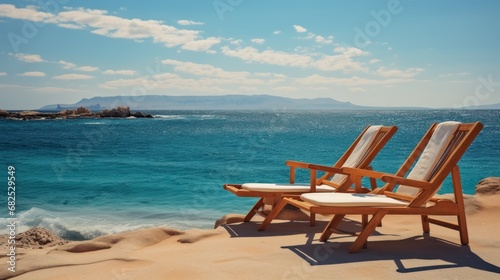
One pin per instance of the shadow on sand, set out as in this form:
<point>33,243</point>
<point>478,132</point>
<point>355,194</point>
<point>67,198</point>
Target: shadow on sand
<point>427,252</point>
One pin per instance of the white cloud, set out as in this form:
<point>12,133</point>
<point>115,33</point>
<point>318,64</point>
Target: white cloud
<point>299,29</point>
<point>202,45</point>
<point>120,72</point>
<point>3,73</point>
<point>373,61</point>
<point>29,13</point>
<point>258,41</point>
<point>209,71</point>
<point>236,42</point>
<point>352,82</point>
<point>322,40</point>
<point>207,79</point>
<point>251,54</point>
<point>66,65</point>
<point>30,58</point>
<point>189,22</point>
<point>101,23</point>
<point>350,51</point>
<point>87,68</point>
<point>73,77</point>
<point>397,73</point>
<point>70,26</point>
<point>340,62</point>
<point>33,74</point>
<point>277,32</point>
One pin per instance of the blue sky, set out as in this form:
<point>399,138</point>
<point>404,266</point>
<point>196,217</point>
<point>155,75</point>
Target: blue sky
<point>376,53</point>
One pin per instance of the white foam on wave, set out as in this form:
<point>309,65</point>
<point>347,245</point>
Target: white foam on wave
<point>189,117</point>
<point>170,117</point>
<point>82,225</point>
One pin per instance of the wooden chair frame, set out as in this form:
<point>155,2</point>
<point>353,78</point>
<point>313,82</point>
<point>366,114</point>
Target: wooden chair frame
<point>423,204</point>
<point>381,139</point>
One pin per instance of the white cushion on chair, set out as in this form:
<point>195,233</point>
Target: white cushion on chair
<point>431,155</point>
<point>359,152</point>
<point>352,199</point>
<point>286,188</point>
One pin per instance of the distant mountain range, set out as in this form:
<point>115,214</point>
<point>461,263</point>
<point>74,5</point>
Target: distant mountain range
<point>225,102</point>
<point>485,107</point>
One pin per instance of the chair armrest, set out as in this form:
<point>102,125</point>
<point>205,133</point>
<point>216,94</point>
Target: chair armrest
<point>294,165</point>
<point>363,172</point>
<point>298,164</point>
<point>407,182</point>
<point>325,168</point>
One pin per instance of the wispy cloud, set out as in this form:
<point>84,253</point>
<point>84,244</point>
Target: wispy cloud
<point>398,73</point>
<point>352,82</point>
<point>3,73</point>
<point>66,65</point>
<point>73,77</point>
<point>196,77</point>
<point>342,61</point>
<point>120,72</point>
<point>299,29</point>
<point>202,45</point>
<point>258,41</point>
<point>277,32</point>
<point>33,74</point>
<point>322,40</point>
<point>87,68</point>
<point>251,54</point>
<point>189,22</point>
<point>101,23</point>
<point>29,58</point>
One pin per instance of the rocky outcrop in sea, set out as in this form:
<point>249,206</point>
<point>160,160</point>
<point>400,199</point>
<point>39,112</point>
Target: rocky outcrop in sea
<point>81,112</point>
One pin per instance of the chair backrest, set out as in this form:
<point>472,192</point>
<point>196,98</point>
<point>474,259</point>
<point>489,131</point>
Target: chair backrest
<point>438,153</point>
<point>362,151</point>
<point>430,156</point>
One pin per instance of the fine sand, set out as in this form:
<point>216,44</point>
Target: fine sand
<point>287,250</point>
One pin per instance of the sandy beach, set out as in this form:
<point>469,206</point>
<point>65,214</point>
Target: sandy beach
<point>287,250</point>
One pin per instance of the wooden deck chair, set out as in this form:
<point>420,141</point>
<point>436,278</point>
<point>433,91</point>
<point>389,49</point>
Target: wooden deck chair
<point>359,155</point>
<point>438,154</point>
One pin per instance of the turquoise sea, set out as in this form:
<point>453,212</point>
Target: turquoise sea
<point>88,177</point>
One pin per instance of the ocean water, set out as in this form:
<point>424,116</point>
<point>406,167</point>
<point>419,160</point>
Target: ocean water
<point>88,177</point>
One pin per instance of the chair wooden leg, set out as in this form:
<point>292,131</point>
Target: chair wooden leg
<point>364,223</point>
<point>459,200</point>
<point>425,224</point>
<point>334,222</point>
<point>312,219</point>
<point>254,210</point>
<point>276,210</point>
<point>367,231</point>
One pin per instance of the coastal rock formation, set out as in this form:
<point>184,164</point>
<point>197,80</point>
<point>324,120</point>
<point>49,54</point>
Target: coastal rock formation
<point>38,238</point>
<point>119,112</point>
<point>488,186</point>
<point>81,112</point>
